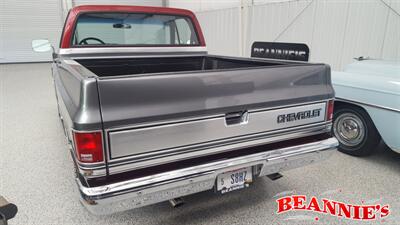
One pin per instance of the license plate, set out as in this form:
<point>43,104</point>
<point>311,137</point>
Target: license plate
<point>234,180</point>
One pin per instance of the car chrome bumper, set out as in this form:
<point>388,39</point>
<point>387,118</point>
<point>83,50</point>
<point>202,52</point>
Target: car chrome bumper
<point>165,186</point>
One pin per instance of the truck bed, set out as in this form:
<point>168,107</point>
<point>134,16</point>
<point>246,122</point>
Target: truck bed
<point>172,108</point>
<point>135,66</point>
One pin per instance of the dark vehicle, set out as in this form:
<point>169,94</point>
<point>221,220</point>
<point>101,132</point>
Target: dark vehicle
<point>150,116</point>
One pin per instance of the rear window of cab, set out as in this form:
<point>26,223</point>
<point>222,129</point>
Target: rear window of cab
<point>133,29</point>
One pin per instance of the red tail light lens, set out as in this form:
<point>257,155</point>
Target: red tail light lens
<point>88,146</point>
<point>329,111</point>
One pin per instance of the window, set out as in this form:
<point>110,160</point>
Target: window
<point>113,29</point>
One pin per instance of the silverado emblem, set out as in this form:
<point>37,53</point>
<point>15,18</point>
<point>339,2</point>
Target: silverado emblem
<point>290,117</point>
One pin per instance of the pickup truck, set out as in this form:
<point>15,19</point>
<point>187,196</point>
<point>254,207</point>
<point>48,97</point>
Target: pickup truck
<point>150,116</point>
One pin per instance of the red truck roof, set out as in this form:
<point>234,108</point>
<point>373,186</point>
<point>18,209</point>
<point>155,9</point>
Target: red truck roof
<point>74,13</point>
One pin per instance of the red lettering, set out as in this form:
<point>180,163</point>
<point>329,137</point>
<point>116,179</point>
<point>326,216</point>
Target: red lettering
<point>298,202</point>
<point>344,209</point>
<point>368,212</point>
<point>329,205</point>
<point>356,209</point>
<point>284,204</point>
<point>314,206</point>
<point>355,212</point>
<point>385,211</point>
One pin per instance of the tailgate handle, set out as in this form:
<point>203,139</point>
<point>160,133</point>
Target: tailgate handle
<point>235,118</point>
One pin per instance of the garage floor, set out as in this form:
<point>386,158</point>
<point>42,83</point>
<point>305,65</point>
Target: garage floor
<point>36,173</point>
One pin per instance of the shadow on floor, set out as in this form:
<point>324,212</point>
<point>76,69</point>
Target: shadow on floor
<point>385,156</point>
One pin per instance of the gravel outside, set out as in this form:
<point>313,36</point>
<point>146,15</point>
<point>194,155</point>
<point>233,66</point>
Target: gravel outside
<point>36,173</point>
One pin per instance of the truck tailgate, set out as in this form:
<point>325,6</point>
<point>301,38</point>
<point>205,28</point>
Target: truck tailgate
<point>151,114</point>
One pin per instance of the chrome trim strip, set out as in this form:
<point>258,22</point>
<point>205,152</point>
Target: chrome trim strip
<point>131,163</point>
<point>291,105</point>
<point>141,142</point>
<point>139,50</point>
<point>98,165</point>
<point>129,56</point>
<point>159,123</point>
<point>368,104</point>
<point>168,185</point>
<point>170,138</point>
<point>92,172</point>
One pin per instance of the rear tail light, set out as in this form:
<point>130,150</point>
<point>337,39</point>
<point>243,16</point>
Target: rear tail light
<point>88,146</point>
<point>329,110</point>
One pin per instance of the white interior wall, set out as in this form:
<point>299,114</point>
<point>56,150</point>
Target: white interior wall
<point>24,20</point>
<point>336,31</point>
<point>391,46</point>
<point>221,37</point>
<point>220,22</point>
<point>203,5</point>
<point>2,31</point>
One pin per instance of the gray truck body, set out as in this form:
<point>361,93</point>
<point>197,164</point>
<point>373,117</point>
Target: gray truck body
<point>173,118</point>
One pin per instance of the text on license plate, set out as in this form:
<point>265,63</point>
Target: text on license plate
<point>234,180</point>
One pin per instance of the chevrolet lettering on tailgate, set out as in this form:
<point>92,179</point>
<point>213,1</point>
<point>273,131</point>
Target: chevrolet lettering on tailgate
<point>299,115</point>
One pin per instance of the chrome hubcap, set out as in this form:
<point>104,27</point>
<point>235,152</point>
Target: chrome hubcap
<point>349,129</point>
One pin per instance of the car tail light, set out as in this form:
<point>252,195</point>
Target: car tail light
<point>88,146</point>
<point>329,110</point>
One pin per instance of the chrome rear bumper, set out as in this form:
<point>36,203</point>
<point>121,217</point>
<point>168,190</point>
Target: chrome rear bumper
<point>165,186</point>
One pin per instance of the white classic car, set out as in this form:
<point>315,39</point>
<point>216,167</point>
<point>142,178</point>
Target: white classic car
<point>367,106</point>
